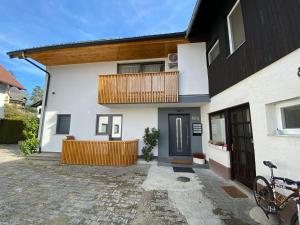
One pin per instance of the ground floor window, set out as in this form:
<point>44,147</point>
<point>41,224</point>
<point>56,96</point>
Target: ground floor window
<point>218,128</point>
<point>109,125</point>
<point>63,124</point>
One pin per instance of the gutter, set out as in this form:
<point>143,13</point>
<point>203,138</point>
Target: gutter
<point>45,100</point>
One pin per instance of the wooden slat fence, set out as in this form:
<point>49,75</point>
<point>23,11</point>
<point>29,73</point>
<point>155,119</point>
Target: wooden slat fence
<point>104,153</point>
<point>160,87</point>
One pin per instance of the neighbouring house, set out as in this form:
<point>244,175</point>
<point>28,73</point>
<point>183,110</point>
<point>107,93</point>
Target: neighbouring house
<point>38,106</point>
<point>229,87</point>
<point>8,84</point>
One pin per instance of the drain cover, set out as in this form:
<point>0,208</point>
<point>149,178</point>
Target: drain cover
<point>183,179</point>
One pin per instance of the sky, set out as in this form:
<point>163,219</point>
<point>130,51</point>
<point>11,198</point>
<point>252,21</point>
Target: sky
<point>32,23</point>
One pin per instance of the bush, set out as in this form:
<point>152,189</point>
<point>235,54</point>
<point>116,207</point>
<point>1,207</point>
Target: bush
<point>30,132</point>
<point>11,131</point>
<point>150,140</point>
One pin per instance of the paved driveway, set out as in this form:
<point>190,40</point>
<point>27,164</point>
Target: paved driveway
<point>47,193</point>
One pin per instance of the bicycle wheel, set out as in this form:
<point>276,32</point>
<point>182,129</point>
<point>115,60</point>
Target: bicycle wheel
<point>263,193</point>
<point>295,220</point>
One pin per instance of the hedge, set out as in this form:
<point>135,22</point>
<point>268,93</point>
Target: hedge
<point>11,131</point>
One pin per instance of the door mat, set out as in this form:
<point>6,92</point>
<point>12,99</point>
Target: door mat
<point>233,192</point>
<point>183,170</point>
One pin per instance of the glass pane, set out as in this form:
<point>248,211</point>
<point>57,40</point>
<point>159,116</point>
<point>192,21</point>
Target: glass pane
<point>214,52</point>
<point>237,27</point>
<point>218,130</point>
<point>179,134</point>
<point>63,124</point>
<point>152,67</point>
<point>291,117</point>
<point>129,68</point>
<point>116,127</point>
<point>103,124</point>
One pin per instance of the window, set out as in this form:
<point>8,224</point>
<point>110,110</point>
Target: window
<point>235,26</point>
<point>291,117</point>
<point>284,117</point>
<point>218,131</point>
<point>213,52</point>
<point>109,125</point>
<point>141,67</point>
<point>63,124</point>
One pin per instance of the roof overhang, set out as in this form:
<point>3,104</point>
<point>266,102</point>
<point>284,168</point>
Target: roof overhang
<point>144,47</point>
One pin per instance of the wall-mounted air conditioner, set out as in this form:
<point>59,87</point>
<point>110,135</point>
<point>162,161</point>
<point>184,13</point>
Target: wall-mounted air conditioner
<point>173,61</point>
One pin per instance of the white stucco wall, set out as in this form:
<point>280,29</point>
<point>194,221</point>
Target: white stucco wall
<point>74,90</point>
<point>193,78</point>
<point>277,82</point>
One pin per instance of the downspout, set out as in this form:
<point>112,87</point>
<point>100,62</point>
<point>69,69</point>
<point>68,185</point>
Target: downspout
<point>42,120</point>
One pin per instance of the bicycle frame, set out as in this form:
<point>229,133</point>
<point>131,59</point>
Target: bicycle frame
<point>274,181</point>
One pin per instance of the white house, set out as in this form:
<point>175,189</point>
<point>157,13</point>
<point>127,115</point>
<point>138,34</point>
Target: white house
<point>229,87</point>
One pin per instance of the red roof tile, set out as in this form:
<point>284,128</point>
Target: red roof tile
<point>7,78</point>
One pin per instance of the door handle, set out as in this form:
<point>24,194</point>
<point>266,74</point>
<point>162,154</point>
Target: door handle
<point>232,147</point>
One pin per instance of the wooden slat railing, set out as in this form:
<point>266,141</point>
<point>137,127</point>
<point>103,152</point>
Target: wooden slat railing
<point>104,153</point>
<point>160,87</point>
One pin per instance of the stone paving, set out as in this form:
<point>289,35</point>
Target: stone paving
<point>233,211</point>
<point>35,192</point>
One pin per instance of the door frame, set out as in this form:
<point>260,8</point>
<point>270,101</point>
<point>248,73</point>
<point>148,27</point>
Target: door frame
<point>189,119</point>
<point>226,113</point>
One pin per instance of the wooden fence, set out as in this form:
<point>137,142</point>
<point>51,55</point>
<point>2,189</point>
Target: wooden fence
<point>104,153</point>
<point>160,87</point>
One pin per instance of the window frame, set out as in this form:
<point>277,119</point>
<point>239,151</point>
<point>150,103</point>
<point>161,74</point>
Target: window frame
<point>217,43</point>
<point>229,28</point>
<point>225,116</point>
<point>141,64</point>
<point>281,120</point>
<point>58,122</point>
<point>110,126</point>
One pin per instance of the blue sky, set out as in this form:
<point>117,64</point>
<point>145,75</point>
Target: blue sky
<point>32,23</point>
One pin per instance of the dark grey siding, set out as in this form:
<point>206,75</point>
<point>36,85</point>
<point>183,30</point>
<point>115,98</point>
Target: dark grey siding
<point>272,29</point>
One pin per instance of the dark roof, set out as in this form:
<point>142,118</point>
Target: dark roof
<point>36,104</point>
<point>7,78</point>
<point>17,53</point>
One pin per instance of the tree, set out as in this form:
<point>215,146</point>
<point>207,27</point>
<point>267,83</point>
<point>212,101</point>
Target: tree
<point>37,94</point>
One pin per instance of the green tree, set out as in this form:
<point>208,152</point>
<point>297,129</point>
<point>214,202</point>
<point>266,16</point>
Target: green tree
<point>37,94</point>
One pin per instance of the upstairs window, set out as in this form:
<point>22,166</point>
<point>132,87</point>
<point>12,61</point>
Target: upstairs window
<point>235,24</point>
<point>63,124</point>
<point>213,52</point>
<point>145,67</point>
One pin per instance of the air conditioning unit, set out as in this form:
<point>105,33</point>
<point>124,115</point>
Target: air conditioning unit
<point>173,61</point>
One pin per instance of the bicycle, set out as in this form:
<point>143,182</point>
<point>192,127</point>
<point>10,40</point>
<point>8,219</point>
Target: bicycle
<point>270,201</point>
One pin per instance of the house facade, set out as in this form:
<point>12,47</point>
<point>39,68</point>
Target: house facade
<point>228,87</point>
<point>253,61</point>
<point>7,82</point>
<point>129,85</point>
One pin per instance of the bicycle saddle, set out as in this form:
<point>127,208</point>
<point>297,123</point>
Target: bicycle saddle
<point>269,164</point>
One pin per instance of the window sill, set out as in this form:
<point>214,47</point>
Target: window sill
<point>285,135</point>
<point>232,53</point>
<point>218,147</point>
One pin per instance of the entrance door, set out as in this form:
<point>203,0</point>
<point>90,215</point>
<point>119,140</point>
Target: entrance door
<point>179,135</point>
<point>243,161</point>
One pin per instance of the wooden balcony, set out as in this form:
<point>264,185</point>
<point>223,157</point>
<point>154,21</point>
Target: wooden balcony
<point>103,153</point>
<point>160,87</point>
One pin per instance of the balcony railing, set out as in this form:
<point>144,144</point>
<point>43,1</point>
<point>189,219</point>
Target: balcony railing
<point>160,87</point>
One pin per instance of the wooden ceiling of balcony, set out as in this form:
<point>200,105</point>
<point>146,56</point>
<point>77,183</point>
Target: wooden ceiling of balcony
<point>143,49</point>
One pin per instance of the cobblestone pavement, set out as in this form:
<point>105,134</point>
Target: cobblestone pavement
<point>34,192</point>
<point>233,211</point>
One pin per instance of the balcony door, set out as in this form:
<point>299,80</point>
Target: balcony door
<point>144,67</point>
<point>179,135</point>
